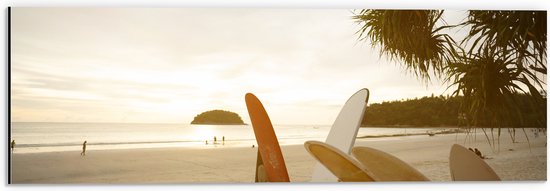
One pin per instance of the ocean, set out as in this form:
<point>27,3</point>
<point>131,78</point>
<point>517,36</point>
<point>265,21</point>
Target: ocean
<point>32,137</point>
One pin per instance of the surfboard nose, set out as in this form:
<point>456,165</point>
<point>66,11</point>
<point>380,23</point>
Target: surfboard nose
<point>465,165</point>
<point>249,96</point>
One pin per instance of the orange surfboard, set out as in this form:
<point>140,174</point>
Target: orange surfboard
<point>271,164</point>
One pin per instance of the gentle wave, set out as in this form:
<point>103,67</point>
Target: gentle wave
<point>51,137</point>
<point>145,142</point>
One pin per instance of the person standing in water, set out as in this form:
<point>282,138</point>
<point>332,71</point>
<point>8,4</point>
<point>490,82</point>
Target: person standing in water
<point>83,153</point>
<point>12,145</point>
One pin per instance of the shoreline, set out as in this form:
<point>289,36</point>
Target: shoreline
<point>222,124</point>
<point>234,143</point>
<point>443,131</point>
<point>429,154</point>
<point>196,144</point>
<point>412,126</point>
<point>443,126</point>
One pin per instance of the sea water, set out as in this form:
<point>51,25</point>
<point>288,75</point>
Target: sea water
<point>50,137</point>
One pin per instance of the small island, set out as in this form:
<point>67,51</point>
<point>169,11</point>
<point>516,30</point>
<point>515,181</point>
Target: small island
<point>218,117</point>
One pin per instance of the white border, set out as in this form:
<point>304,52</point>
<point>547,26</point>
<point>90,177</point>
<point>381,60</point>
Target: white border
<point>349,4</point>
<point>318,4</point>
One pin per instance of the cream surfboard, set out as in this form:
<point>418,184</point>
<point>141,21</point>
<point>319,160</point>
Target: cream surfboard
<point>343,131</point>
<point>467,166</point>
<point>386,167</point>
<point>340,164</point>
<point>270,164</point>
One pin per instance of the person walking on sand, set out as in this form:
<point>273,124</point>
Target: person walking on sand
<point>83,153</point>
<point>12,145</point>
<point>214,139</point>
<point>223,140</point>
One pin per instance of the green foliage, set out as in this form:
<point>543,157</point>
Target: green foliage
<point>410,36</point>
<point>490,82</point>
<point>502,56</point>
<point>441,111</point>
<point>426,111</point>
<point>218,117</point>
<point>518,33</point>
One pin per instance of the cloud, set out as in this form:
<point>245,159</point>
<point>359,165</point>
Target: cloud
<point>167,65</point>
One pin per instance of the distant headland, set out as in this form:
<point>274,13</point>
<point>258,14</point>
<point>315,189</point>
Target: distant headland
<point>218,117</point>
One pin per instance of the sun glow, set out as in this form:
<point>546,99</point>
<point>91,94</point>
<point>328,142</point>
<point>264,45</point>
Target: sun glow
<point>203,132</point>
<point>177,64</point>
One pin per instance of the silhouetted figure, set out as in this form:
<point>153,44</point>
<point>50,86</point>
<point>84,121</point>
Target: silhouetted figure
<point>223,140</point>
<point>478,153</point>
<point>83,153</point>
<point>12,145</point>
<point>207,142</point>
<point>215,140</point>
<point>252,146</point>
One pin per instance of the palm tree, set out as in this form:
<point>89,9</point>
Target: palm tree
<point>503,55</point>
<point>409,36</point>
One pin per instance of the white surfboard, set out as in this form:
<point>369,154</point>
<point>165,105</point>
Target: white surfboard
<point>343,131</point>
<point>467,166</point>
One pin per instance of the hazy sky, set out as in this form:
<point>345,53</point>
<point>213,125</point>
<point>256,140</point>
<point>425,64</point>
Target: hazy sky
<point>168,65</point>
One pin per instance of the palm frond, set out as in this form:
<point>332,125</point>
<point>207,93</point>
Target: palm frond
<point>407,36</point>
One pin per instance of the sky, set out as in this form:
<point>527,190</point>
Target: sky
<point>168,65</point>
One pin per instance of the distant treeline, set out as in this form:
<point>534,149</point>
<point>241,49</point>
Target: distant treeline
<point>437,111</point>
<point>219,117</point>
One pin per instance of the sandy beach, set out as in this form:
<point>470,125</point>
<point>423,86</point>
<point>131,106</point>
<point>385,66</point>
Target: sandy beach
<point>512,161</point>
